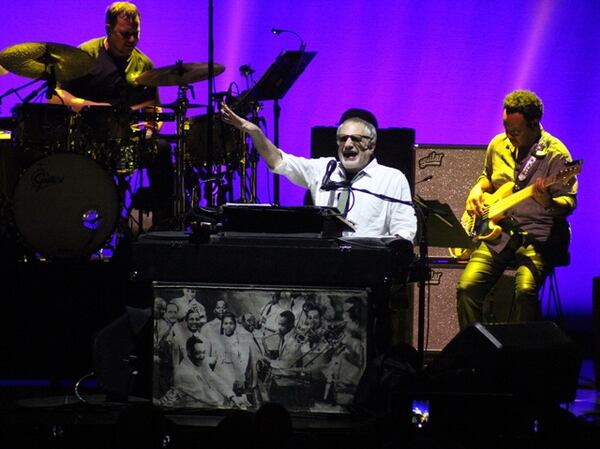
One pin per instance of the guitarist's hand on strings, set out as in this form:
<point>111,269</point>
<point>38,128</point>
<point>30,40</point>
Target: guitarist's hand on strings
<point>475,200</point>
<point>540,193</point>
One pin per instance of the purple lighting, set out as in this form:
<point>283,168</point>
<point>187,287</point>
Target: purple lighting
<point>441,67</point>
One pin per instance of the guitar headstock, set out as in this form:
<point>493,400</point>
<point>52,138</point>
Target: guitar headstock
<point>571,169</point>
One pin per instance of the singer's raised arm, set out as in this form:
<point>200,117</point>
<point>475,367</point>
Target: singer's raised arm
<point>265,147</point>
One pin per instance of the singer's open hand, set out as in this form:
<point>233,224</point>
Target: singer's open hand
<point>231,118</point>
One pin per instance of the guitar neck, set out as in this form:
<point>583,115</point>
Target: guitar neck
<point>501,206</point>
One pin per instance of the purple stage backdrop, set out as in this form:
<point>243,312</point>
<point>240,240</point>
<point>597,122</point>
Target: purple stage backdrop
<point>440,67</point>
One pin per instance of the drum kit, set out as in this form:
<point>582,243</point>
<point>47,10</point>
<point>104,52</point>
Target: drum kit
<point>72,166</point>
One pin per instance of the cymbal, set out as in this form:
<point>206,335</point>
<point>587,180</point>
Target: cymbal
<point>3,71</point>
<point>31,59</point>
<point>178,74</point>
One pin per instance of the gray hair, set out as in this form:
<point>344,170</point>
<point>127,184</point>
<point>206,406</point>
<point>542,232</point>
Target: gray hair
<point>368,126</point>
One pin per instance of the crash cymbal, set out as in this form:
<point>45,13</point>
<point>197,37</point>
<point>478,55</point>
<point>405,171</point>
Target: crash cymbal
<point>3,71</point>
<point>32,59</point>
<point>178,74</point>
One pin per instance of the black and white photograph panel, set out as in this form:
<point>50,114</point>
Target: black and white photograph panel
<point>231,346</point>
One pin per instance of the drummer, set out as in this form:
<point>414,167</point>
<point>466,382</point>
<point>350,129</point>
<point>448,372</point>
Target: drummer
<point>112,83</point>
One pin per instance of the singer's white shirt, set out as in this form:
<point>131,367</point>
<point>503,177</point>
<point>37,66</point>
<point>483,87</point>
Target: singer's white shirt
<point>372,216</point>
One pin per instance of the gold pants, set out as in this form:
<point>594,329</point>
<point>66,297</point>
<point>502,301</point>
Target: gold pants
<point>485,268</point>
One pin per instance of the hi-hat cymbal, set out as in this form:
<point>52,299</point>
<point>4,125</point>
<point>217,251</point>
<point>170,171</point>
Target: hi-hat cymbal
<point>33,59</point>
<point>178,74</point>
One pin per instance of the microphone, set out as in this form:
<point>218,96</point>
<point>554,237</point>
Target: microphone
<point>246,70</point>
<point>278,31</point>
<point>326,183</point>
<point>425,179</point>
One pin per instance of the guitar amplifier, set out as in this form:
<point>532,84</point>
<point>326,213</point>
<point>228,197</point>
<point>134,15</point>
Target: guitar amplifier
<point>441,319</point>
<point>453,170</point>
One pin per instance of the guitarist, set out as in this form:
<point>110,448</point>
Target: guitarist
<point>524,154</point>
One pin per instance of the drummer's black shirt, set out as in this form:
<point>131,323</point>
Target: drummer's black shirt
<point>112,80</point>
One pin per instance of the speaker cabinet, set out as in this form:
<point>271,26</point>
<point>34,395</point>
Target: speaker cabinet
<point>441,319</point>
<point>394,147</point>
<point>533,360</point>
<point>453,170</point>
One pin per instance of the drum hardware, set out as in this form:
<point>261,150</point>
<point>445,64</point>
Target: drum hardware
<point>153,117</point>
<point>32,60</point>
<point>45,61</point>
<point>42,129</point>
<point>227,147</point>
<point>181,75</point>
<point>48,126</point>
<point>7,124</point>
<point>273,85</point>
<point>174,105</point>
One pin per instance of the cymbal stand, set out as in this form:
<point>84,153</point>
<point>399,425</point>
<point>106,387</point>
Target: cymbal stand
<point>182,124</point>
<point>242,171</point>
<point>17,89</point>
<point>253,158</point>
<point>49,85</point>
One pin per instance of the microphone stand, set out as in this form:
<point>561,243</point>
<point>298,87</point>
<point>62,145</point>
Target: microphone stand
<point>209,107</point>
<point>276,179</point>
<point>276,115</point>
<point>423,273</point>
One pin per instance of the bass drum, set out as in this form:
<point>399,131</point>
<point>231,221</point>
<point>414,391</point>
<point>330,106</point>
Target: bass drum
<point>66,206</point>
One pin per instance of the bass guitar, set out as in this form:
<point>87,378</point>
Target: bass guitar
<point>495,206</point>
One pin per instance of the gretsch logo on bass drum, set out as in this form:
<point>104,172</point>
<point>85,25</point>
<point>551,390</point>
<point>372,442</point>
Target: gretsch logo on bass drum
<point>433,159</point>
<point>40,179</point>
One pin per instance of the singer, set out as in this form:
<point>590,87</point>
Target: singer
<point>380,206</point>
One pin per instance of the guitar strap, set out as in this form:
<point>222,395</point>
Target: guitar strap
<point>536,154</point>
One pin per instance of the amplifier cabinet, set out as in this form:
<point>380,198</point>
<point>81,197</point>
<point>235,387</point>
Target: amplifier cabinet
<point>441,319</point>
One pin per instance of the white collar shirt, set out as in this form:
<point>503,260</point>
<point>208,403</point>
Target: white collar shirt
<point>372,216</point>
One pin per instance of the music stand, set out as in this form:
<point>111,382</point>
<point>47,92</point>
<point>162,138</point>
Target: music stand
<point>273,85</point>
<point>443,228</point>
<point>280,76</point>
<point>439,228</point>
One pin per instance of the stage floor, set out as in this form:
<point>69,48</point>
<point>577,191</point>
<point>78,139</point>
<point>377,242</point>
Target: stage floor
<point>39,414</point>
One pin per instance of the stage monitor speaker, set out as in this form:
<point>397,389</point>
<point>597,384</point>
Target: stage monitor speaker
<point>394,147</point>
<point>534,361</point>
<point>441,320</point>
<point>453,170</point>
